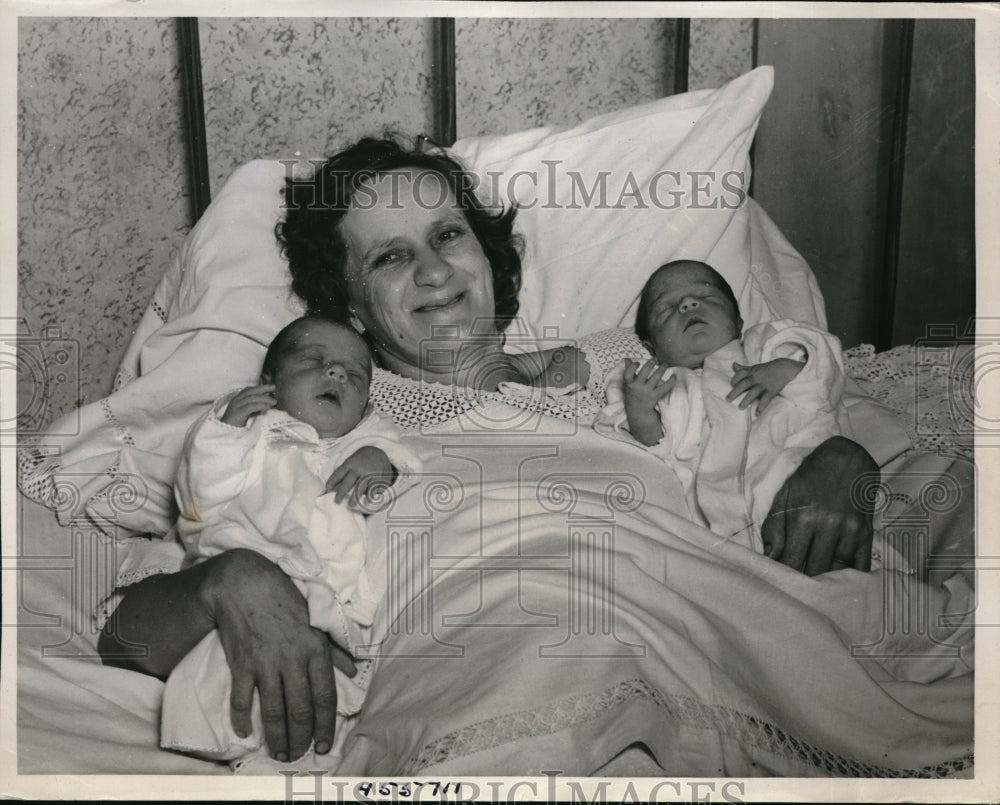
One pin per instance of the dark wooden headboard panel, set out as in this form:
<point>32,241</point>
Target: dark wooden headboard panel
<point>865,160</point>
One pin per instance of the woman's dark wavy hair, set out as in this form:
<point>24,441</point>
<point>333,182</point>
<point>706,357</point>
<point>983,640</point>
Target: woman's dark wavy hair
<point>310,234</point>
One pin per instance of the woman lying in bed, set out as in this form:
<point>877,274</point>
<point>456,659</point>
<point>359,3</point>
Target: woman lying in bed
<point>421,279</point>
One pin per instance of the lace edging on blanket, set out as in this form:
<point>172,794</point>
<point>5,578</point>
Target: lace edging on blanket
<point>749,730</point>
<point>36,471</point>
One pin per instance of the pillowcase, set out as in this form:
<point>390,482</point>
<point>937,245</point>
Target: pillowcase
<point>602,204</point>
<point>605,202</point>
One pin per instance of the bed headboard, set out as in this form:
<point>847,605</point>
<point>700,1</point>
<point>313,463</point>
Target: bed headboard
<point>867,139</point>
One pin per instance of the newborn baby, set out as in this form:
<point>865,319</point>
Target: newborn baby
<point>731,458</point>
<point>287,468</point>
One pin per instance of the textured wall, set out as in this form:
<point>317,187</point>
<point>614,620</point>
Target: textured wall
<point>822,167</point>
<point>272,87</point>
<point>514,74</point>
<point>277,86</point>
<point>102,202</point>
<point>721,50</point>
<point>819,161</point>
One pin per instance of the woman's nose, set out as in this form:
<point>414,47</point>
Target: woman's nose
<point>688,303</point>
<point>336,372</point>
<point>432,270</point>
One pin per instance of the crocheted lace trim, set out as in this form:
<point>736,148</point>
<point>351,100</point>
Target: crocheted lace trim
<point>35,484</point>
<point>159,311</point>
<point>933,397</point>
<point>36,471</point>
<point>123,377</point>
<point>749,730</point>
<point>116,423</point>
<point>414,404</point>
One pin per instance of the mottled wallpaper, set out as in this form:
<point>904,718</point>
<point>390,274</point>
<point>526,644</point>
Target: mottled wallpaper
<point>513,74</point>
<point>277,87</point>
<point>721,50</point>
<point>103,201</point>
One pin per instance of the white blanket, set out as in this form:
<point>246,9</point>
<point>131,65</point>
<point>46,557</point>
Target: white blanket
<point>556,611</point>
<point>719,660</point>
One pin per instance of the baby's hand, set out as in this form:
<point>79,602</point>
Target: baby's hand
<point>762,382</point>
<point>645,386</point>
<point>250,401</point>
<point>362,472</point>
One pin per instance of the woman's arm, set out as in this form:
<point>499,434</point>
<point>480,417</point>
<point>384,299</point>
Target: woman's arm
<point>557,367</point>
<point>263,623</point>
<point>821,519</point>
<point>159,620</point>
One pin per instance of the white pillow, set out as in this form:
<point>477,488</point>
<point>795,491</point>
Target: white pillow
<point>665,180</point>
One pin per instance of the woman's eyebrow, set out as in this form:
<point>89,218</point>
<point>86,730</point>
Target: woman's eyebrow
<point>380,246</point>
<point>447,215</point>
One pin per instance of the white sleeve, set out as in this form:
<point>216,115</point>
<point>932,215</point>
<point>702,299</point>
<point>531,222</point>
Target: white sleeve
<point>612,421</point>
<point>820,384</point>
<point>213,468</point>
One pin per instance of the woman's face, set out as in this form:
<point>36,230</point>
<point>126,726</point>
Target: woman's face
<point>415,270</point>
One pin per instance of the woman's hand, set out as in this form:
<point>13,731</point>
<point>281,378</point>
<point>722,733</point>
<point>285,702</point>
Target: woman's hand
<point>554,368</point>
<point>821,519</point>
<point>263,623</point>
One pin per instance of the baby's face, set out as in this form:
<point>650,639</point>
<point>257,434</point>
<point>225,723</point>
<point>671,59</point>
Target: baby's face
<point>323,378</point>
<point>690,316</point>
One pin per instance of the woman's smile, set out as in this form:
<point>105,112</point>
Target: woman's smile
<point>442,304</point>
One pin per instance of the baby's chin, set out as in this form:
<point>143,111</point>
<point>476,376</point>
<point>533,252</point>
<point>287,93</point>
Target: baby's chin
<point>693,359</point>
<point>325,430</point>
<point>707,343</point>
<point>337,431</point>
